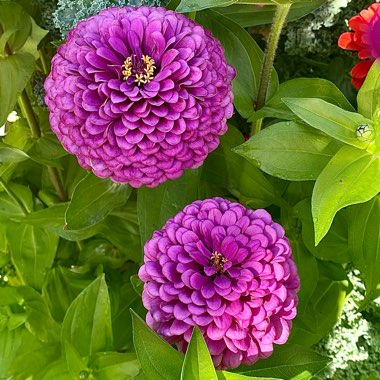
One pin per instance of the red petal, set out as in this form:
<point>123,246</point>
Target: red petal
<point>346,41</point>
<point>357,83</point>
<point>357,23</point>
<point>361,69</point>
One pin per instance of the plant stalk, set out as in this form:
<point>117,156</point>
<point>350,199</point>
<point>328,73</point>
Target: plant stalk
<point>270,53</point>
<point>27,111</point>
<point>57,183</point>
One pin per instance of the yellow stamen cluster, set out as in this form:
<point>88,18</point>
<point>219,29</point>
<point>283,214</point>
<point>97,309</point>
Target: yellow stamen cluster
<point>218,261</point>
<point>140,78</point>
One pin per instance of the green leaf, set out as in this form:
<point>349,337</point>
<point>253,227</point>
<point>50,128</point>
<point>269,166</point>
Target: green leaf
<point>240,177</point>
<point>47,150</point>
<point>62,286</point>
<point>152,349</point>
<point>123,299</point>
<point>10,154</point>
<point>334,246</point>
<point>32,252</point>
<point>316,318</point>
<point>57,370</point>
<point>288,362</point>
<point>369,94</point>
<point>35,37</point>
<point>13,18</point>
<point>93,199</point>
<point>17,70</point>
<point>301,88</point>
<point>197,5</point>
<point>248,15</point>
<point>364,240</point>
<point>37,311</point>
<point>328,118</point>
<point>224,375</point>
<point>197,364</point>
<point>352,176</point>
<point>113,365</point>
<point>290,151</point>
<point>10,342</point>
<point>156,205</point>
<point>244,55</point>
<point>87,324</point>
<point>75,363</point>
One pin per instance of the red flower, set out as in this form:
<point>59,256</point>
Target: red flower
<point>365,38</point>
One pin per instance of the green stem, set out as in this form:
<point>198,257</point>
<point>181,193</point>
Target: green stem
<point>13,195</point>
<point>279,18</point>
<point>57,183</point>
<point>27,111</point>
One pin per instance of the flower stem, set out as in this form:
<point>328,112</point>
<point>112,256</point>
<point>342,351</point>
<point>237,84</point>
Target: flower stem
<point>270,53</point>
<point>57,183</point>
<point>10,192</point>
<point>27,111</point>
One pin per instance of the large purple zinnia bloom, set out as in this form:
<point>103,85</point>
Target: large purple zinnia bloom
<point>228,270</point>
<point>139,94</point>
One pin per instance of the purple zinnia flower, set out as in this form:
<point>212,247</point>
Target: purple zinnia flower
<point>229,271</point>
<point>139,94</point>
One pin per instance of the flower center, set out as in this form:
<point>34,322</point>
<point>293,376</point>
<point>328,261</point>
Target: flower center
<point>140,69</point>
<point>218,261</point>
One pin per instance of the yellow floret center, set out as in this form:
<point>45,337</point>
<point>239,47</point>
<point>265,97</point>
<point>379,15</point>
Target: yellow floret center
<point>142,70</point>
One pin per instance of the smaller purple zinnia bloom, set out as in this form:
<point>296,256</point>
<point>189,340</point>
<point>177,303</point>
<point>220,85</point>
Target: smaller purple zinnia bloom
<point>226,269</point>
<point>139,94</point>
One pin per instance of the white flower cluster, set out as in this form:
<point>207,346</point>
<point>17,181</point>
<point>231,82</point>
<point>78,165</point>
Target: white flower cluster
<point>354,343</point>
<point>70,12</point>
<point>318,32</point>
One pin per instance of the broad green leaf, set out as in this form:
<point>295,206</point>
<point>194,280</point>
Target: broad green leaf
<point>328,118</point>
<point>369,94</point>
<point>224,375</point>
<point>47,150</point>
<point>10,342</point>
<point>290,151</point>
<point>32,252</point>
<point>62,286</point>
<point>75,363</point>
<point>316,318</point>
<point>93,199</point>
<point>35,37</point>
<point>114,365</point>
<point>334,246</point>
<point>53,218</point>
<point>242,179</point>
<point>13,18</point>
<point>156,205</point>
<point>57,370</point>
<point>32,356</point>
<point>301,88</point>
<point>9,208</point>
<point>37,311</point>
<point>244,55</point>
<point>352,176</point>
<point>288,362</point>
<point>364,239</point>
<point>123,298</point>
<point>251,15</point>
<point>197,5</point>
<point>157,358</point>
<point>17,70</point>
<point>197,364</point>
<point>87,324</point>
<point>34,310</point>
<point>10,154</point>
